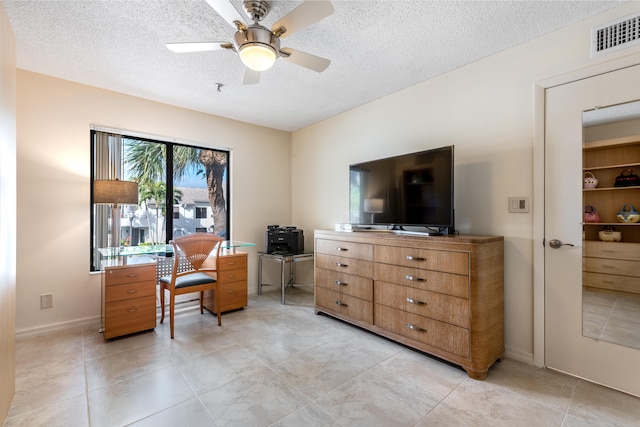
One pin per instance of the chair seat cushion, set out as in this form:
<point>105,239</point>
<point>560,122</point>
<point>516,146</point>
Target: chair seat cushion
<point>190,280</point>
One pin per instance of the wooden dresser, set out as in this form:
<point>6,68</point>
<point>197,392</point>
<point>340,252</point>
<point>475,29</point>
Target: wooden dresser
<point>232,281</point>
<point>129,295</point>
<point>443,295</point>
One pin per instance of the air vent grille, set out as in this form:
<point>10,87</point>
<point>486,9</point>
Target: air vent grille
<point>616,35</point>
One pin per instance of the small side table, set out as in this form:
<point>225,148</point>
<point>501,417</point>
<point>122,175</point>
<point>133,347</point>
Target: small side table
<point>283,259</point>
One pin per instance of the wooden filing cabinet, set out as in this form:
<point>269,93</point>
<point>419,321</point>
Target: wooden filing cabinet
<point>232,282</point>
<point>129,298</point>
<point>442,295</point>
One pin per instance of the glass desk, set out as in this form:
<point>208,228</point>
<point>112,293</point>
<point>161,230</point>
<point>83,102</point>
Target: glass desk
<point>228,246</point>
<point>283,259</point>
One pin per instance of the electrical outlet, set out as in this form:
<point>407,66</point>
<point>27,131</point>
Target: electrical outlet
<point>46,300</point>
<point>518,204</point>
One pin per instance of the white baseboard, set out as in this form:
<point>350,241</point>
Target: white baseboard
<point>76,323</point>
<point>518,355</point>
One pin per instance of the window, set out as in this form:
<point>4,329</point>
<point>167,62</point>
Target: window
<point>201,212</point>
<point>196,174</point>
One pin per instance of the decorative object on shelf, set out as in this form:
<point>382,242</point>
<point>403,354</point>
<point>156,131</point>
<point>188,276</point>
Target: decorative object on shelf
<point>628,214</point>
<point>590,214</point>
<point>609,234</point>
<point>627,178</point>
<point>590,180</point>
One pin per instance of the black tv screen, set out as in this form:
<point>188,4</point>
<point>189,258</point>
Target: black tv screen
<point>413,189</point>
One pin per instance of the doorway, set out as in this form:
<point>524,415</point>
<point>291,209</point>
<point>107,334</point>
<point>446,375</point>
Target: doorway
<point>568,238</point>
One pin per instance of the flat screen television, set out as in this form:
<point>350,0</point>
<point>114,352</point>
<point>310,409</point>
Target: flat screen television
<point>413,189</point>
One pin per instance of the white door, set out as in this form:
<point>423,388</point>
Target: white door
<point>566,349</point>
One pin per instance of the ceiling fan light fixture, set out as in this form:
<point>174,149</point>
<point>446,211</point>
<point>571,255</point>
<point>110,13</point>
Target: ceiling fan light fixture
<point>257,56</point>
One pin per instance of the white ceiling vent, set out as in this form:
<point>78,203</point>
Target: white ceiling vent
<point>616,35</point>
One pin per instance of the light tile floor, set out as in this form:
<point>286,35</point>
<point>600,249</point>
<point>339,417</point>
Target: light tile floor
<point>275,365</point>
<point>611,316</point>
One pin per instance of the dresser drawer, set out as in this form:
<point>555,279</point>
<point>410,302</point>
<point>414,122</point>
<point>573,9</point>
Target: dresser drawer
<point>436,306</point>
<point>127,316</point>
<point>357,286</point>
<point>615,250</point>
<point>116,276</point>
<point>612,266</point>
<point>225,276</point>
<point>232,262</point>
<point>233,294</point>
<point>611,282</point>
<point>129,291</point>
<point>430,259</point>
<point>444,283</point>
<point>345,265</point>
<point>444,336</point>
<point>345,305</point>
<point>345,249</point>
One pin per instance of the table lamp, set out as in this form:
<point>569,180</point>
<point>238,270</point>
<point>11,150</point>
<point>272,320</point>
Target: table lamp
<point>115,192</point>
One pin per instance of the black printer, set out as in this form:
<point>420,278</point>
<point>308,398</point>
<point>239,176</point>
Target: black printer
<point>284,240</point>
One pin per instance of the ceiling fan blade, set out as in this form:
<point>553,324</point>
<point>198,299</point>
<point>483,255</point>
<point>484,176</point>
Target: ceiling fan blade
<point>307,60</point>
<point>226,10</point>
<point>183,47</point>
<point>251,77</point>
<point>302,16</point>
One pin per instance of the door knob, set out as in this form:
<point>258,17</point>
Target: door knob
<point>555,244</point>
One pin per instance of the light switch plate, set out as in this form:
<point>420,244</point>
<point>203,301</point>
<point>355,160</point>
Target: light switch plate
<point>518,204</point>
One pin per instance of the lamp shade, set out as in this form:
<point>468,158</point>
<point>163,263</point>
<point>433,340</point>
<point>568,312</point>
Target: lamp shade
<point>373,205</point>
<point>115,192</point>
<point>257,56</point>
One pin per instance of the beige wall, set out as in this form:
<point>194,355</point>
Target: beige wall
<point>486,110</point>
<point>7,213</point>
<point>54,118</point>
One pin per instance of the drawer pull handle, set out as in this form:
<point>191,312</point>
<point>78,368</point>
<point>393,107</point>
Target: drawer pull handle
<point>231,292</point>
<point>231,276</point>
<point>415,328</point>
<point>132,310</point>
<point>412,301</point>
<point>341,283</point>
<point>608,266</point>
<point>414,279</point>
<point>608,281</point>
<point>132,291</point>
<point>339,249</point>
<point>132,275</point>
<point>339,264</point>
<point>414,258</point>
<point>611,252</point>
<point>340,303</point>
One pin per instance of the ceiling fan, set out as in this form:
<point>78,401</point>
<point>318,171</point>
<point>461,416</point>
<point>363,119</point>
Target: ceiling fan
<point>257,46</point>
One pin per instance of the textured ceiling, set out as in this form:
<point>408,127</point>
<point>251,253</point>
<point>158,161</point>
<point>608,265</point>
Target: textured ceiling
<point>376,48</point>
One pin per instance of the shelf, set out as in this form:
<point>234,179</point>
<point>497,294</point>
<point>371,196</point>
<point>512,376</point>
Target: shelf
<point>615,224</point>
<point>622,166</point>
<point>609,143</point>
<point>611,188</point>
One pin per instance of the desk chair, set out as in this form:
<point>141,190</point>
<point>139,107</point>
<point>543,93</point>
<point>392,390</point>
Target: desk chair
<point>195,248</point>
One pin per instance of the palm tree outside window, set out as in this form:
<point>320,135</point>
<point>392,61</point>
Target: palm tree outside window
<point>197,175</point>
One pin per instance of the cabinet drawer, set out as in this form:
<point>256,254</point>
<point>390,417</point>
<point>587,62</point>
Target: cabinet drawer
<point>430,259</point>
<point>449,338</point>
<point>611,282</point>
<point>445,283</point>
<point>345,249</point>
<point>437,306</point>
<point>233,294</point>
<point>345,265</point>
<point>129,290</point>
<point>128,316</point>
<point>232,262</point>
<point>345,305</point>
<point>612,266</point>
<point>116,276</point>
<point>225,276</point>
<point>357,286</point>
<point>615,250</point>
